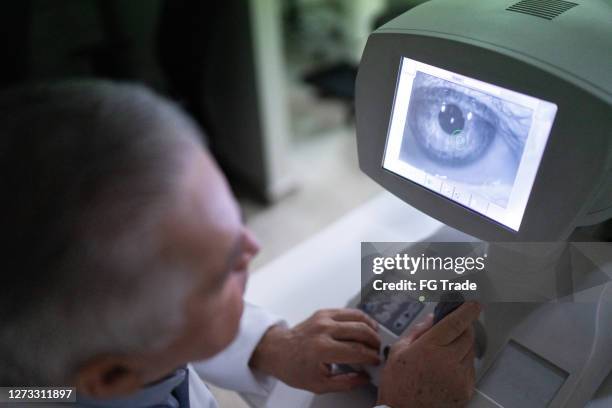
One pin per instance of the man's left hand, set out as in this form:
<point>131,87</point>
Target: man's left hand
<point>302,356</point>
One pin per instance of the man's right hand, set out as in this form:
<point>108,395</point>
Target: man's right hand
<point>434,367</point>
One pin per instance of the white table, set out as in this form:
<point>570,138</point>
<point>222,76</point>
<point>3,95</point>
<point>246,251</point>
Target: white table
<point>324,272</point>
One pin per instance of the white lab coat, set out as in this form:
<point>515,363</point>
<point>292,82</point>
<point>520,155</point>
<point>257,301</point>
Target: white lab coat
<point>229,369</point>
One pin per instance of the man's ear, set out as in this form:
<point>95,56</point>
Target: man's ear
<point>109,377</point>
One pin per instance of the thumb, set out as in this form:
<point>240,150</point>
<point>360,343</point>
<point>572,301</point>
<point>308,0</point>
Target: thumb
<point>419,329</point>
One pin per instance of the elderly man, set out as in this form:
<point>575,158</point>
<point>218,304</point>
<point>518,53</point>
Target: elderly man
<point>125,261</point>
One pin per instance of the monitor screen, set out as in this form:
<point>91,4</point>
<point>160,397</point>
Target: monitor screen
<point>472,142</point>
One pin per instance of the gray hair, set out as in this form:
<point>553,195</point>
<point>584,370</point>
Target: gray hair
<point>88,169</point>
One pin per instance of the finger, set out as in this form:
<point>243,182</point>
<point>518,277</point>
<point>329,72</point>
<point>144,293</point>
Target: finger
<point>356,331</point>
<point>453,325</point>
<point>463,345</point>
<point>342,382</point>
<point>350,352</point>
<point>345,382</point>
<point>468,359</point>
<point>353,315</point>
<point>470,370</point>
<point>419,329</point>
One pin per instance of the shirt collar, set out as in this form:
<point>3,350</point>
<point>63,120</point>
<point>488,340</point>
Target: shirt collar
<point>156,394</point>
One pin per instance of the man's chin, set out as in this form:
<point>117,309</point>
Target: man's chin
<point>236,326</point>
<point>230,335</point>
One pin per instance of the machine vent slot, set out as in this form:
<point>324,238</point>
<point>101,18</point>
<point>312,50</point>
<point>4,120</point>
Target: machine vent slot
<point>547,9</point>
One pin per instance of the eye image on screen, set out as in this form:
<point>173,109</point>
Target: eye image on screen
<point>474,143</point>
<point>469,138</point>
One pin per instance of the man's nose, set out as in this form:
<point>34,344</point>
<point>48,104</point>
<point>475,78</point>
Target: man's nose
<point>251,243</point>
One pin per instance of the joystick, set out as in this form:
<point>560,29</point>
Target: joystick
<point>449,302</point>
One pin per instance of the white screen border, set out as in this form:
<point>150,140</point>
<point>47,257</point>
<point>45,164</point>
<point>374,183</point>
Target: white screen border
<point>543,117</point>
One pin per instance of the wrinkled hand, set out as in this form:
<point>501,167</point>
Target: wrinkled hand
<point>302,356</point>
<point>434,366</point>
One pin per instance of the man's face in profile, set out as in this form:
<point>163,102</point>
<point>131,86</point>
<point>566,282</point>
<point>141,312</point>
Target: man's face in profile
<point>206,231</point>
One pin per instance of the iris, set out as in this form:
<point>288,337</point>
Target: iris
<point>451,127</point>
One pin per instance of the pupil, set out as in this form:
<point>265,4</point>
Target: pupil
<point>451,119</point>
